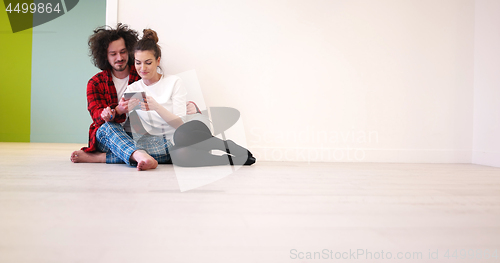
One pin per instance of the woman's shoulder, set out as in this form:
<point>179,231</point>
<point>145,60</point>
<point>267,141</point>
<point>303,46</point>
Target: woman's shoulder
<point>169,81</point>
<point>171,78</point>
<point>136,86</point>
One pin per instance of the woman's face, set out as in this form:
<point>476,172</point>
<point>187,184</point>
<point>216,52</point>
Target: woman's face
<point>146,64</point>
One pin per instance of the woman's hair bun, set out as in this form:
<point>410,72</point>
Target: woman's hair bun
<point>150,34</point>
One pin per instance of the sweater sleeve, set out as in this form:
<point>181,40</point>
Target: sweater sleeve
<point>100,96</point>
<point>96,100</point>
<point>179,95</point>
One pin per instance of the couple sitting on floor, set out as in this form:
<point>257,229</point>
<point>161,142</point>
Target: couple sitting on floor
<point>150,129</point>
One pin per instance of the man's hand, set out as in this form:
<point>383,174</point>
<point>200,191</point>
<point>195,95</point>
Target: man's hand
<point>190,108</point>
<point>124,105</point>
<point>108,114</point>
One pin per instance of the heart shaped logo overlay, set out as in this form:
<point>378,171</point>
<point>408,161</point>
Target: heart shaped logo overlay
<point>208,146</point>
<point>31,13</point>
<point>225,123</point>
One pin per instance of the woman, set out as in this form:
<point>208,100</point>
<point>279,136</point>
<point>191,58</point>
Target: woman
<point>158,122</point>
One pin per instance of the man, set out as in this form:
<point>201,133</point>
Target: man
<point>112,51</point>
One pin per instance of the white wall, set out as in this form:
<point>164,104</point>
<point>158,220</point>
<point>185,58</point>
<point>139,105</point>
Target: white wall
<point>487,83</point>
<point>374,81</point>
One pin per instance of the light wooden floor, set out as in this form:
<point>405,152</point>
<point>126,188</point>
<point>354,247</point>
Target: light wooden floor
<point>52,210</point>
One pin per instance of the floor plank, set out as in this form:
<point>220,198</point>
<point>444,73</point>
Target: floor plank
<point>52,210</point>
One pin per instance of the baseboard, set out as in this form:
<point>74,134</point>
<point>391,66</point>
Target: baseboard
<point>486,158</point>
<point>362,155</point>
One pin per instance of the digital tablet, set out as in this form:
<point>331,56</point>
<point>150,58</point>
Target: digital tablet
<point>140,95</point>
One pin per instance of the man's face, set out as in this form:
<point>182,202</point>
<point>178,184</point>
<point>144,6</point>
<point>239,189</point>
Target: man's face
<point>118,55</point>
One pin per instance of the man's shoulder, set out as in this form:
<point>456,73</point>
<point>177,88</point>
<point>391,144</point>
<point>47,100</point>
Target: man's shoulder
<point>100,77</point>
<point>133,75</point>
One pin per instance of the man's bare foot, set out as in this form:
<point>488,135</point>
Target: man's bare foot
<point>83,157</point>
<point>144,160</point>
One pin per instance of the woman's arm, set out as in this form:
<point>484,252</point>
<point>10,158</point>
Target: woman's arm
<point>172,119</point>
<point>178,99</point>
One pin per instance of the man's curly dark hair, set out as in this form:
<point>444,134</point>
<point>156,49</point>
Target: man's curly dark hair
<point>103,36</point>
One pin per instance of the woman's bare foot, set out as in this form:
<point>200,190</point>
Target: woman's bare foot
<point>144,160</point>
<point>83,157</point>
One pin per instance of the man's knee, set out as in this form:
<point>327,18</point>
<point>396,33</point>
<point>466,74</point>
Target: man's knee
<point>110,126</point>
<point>106,129</point>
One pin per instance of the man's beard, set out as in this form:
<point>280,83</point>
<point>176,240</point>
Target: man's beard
<point>120,68</point>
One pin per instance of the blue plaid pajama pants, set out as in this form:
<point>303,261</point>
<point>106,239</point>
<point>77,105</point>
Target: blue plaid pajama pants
<point>119,145</point>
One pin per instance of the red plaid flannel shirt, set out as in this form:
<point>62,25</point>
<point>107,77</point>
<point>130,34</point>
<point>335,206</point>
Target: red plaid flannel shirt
<point>101,93</point>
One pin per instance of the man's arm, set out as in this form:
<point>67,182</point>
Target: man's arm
<point>96,101</point>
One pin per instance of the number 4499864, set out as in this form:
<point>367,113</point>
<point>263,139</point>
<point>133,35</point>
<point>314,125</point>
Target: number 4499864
<point>33,8</point>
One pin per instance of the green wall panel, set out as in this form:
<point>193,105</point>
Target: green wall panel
<point>61,69</point>
<point>15,87</point>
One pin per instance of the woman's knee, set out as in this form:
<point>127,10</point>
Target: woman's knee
<point>191,132</point>
<point>193,125</point>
